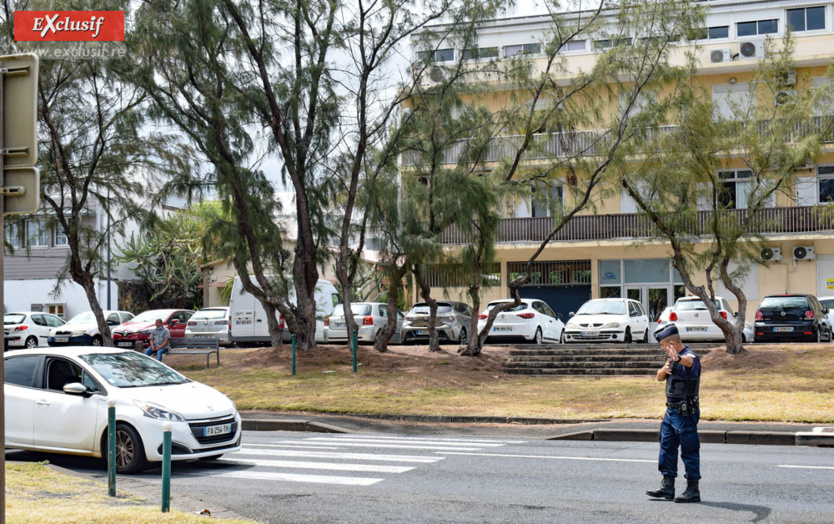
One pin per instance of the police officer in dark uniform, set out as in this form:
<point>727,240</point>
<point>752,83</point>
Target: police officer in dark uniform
<point>682,373</point>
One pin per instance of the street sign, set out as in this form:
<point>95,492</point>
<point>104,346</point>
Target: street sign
<point>21,190</point>
<point>20,107</point>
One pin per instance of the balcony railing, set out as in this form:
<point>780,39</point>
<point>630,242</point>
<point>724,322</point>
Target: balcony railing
<point>632,226</point>
<point>590,143</point>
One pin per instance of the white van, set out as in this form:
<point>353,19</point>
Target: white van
<point>248,318</point>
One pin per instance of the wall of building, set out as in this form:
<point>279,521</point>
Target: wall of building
<point>21,295</point>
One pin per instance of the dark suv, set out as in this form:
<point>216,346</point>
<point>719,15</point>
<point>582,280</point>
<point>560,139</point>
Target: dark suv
<point>792,318</point>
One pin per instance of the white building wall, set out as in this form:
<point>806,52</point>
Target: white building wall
<point>20,295</point>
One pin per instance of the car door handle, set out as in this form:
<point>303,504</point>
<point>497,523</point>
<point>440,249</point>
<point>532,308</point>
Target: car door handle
<point>42,402</point>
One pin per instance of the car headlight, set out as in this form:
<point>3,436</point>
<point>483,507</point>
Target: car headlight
<point>571,325</point>
<point>611,325</point>
<point>156,411</point>
<point>78,332</point>
<point>144,331</point>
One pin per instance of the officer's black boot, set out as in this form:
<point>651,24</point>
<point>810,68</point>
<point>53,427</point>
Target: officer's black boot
<point>667,489</point>
<point>692,493</point>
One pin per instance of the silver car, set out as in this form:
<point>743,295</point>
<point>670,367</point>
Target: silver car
<point>453,322</point>
<point>370,317</point>
<point>210,322</point>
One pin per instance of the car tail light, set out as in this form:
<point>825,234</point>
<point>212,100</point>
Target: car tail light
<point>230,322</point>
<point>21,328</point>
<point>218,322</point>
<point>450,318</point>
<point>192,323</point>
<point>367,321</point>
<point>673,317</point>
<point>723,314</point>
<point>809,314</point>
<point>759,315</point>
<point>280,321</point>
<point>326,321</point>
<point>482,316</point>
<point>526,315</point>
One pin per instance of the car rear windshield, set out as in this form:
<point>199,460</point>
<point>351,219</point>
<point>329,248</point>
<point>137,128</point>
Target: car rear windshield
<point>519,307</point>
<point>423,309</point>
<point>784,303</point>
<point>602,307</point>
<point>356,309</point>
<point>693,305</point>
<point>150,316</point>
<point>131,369</point>
<point>210,314</point>
<point>13,319</point>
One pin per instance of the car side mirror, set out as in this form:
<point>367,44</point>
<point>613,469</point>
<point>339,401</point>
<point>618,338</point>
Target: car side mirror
<point>76,388</point>
<point>558,316</point>
<point>112,323</point>
<point>175,322</point>
<point>571,314</point>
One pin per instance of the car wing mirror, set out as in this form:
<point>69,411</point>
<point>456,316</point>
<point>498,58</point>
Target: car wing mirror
<point>571,314</point>
<point>558,316</point>
<point>175,322</point>
<point>76,388</point>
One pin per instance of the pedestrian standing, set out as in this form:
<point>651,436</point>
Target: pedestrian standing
<point>159,340</point>
<point>682,374</point>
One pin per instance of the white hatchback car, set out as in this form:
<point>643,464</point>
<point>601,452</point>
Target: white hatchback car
<point>608,319</point>
<point>370,317</point>
<point>691,316</point>
<point>29,329</point>
<point>210,322</point>
<point>56,402</point>
<point>531,320</point>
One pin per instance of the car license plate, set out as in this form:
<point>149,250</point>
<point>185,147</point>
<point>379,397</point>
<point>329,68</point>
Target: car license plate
<point>503,329</point>
<point>696,330</point>
<point>783,329</point>
<point>589,333</point>
<point>211,431</point>
<point>339,324</point>
<point>125,344</point>
<point>61,339</point>
<point>421,333</point>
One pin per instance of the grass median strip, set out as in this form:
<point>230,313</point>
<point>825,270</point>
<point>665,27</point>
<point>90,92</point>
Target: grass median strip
<point>768,383</point>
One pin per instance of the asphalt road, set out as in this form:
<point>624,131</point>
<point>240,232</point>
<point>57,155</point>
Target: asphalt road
<point>283,477</point>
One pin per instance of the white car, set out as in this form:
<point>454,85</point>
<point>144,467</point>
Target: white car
<point>828,303</point>
<point>210,322</point>
<point>531,320</point>
<point>82,330</point>
<point>608,319</point>
<point>56,402</point>
<point>29,329</point>
<point>691,316</point>
<point>370,317</point>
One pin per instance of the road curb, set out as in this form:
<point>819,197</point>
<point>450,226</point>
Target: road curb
<point>290,425</point>
<point>761,438</point>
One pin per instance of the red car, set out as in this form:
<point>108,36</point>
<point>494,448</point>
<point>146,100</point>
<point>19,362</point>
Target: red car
<point>136,332</point>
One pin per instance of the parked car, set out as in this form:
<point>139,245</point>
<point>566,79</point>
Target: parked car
<point>452,323</point>
<point>532,320</point>
<point>136,332</point>
<point>828,303</point>
<point>614,319</point>
<point>56,401</point>
<point>793,317</point>
<point>29,329</point>
<point>370,317</point>
<point>82,330</point>
<point>691,316</point>
<point>210,322</point>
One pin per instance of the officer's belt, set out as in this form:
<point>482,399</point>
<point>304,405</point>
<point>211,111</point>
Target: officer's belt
<point>682,405</point>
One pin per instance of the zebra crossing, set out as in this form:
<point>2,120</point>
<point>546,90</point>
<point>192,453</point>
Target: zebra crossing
<point>342,459</point>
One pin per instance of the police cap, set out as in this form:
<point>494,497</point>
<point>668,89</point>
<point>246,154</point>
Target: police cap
<point>666,331</point>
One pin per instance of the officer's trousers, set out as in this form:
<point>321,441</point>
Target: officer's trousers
<point>680,431</point>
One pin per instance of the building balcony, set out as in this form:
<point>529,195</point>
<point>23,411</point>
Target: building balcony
<point>627,227</point>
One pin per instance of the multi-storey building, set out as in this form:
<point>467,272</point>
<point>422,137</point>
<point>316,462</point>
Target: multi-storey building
<point>601,253</point>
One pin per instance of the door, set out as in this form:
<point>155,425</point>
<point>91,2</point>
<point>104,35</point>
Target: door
<point>62,420</point>
<point>242,311</point>
<point>40,329</point>
<point>653,298</point>
<point>177,323</point>
<point>549,330</point>
<point>19,377</point>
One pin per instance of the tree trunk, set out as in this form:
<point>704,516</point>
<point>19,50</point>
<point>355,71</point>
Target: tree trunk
<point>305,281</point>
<point>273,325</point>
<point>86,282</point>
<point>347,299</point>
<point>474,345</point>
<point>425,293</point>
<point>383,336</point>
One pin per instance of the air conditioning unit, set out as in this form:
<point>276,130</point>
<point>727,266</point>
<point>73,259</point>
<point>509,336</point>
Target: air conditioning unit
<point>720,55</point>
<point>787,96</point>
<point>770,254</point>
<point>803,253</point>
<point>436,75</point>
<point>751,49</point>
<point>787,78</point>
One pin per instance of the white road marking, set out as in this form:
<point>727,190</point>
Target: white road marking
<point>374,468</point>
<point>400,446</point>
<point>384,440</point>
<point>432,439</point>
<point>291,477</point>
<point>312,445</point>
<point>804,467</point>
<point>552,457</point>
<point>330,455</point>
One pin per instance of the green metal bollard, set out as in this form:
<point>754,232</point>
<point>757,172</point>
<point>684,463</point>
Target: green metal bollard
<point>111,448</point>
<point>166,467</point>
<point>293,355</point>
<point>355,341</point>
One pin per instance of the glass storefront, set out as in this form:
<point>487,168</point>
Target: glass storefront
<point>651,281</point>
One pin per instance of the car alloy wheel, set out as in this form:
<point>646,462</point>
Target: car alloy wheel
<point>562,337</point>
<point>627,336</point>
<point>538,337</point>
<point>97,340</point>
<point>130,455</point>
<point>646,337</point>
<point>31,343</point>
<point>462,338</point>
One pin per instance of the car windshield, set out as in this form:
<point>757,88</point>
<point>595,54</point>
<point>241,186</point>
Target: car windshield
<point>519,307</point>
<point>356,309</point>
<point>602,307</point>
<point>784,303</point>
<point>13,318</point>
<point>149,316</point>
<point>210,314</point>
<point>694,305</point>
<point>84,318</point>
<point>130,370</point>
<point>423,309</point>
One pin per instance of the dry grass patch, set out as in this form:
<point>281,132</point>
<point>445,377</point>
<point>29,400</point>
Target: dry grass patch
<point>768,383</point>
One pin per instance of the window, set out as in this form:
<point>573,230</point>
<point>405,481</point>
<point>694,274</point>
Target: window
<point>806,18</point>
<point>37,235</point>
<point>527,49</point>
<point>53,321</point>
<point>21,370</point>
<point>575,45</point>
<point>39,320</point>
<point>608,43</point>
<point>439,55</point>
<point>542,199</point>
<point>760,27</point>
<point>60,237</point>
<point>722,31</point>
<point>732,101</point>
<point>825,181</point>
<point>60,372</point>
<point>13,234</point>
<point>480,53</point>
<point>735,189</point>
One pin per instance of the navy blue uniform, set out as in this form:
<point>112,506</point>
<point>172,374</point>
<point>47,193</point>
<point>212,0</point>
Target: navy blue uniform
<point>680,424</point>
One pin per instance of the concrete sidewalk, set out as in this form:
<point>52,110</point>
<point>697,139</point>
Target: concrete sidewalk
<point>762,433</point>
